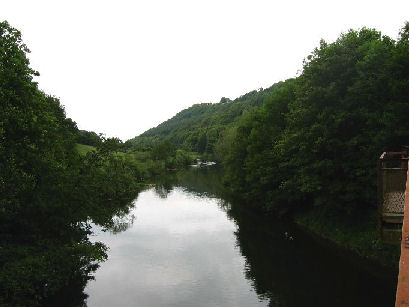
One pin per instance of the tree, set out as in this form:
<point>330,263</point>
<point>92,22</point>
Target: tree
<point>224,100</point>
<point>48,192</point>
<point>162,150</point>
<point>316,140</point>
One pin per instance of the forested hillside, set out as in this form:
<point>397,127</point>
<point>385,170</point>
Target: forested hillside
<point>312,140</point>
<point>199,127</point>
<point>316,140</point>
<point>308,147</point>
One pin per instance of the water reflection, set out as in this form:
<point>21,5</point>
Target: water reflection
<point>181,252</point>
<point>193,245</point>
<point>117,218</point>
<point>293,268</point>
<point>120,223</point>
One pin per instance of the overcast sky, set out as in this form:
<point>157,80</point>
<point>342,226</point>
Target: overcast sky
<point>122,67</point>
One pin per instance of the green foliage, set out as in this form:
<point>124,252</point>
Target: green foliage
<point>162,150</point>
<point>317,138</point>
<point>224,99</point>
<point>309,141</point>
<point>179,160</point>
<point>173,159</point>
<point>48,191</point>
<point>199,127</point>
<point>88,138</point>
<point>84,149</point>
<point>356,232</point>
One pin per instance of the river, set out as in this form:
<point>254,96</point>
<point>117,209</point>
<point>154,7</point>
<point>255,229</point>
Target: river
<point>186,244</point>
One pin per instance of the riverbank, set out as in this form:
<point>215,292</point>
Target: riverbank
<point>224,253</point>
<point>354,232</point>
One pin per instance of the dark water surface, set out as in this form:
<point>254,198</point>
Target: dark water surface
<point>185,244</point>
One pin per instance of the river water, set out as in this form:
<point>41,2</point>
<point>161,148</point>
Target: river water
<point>186,244</point>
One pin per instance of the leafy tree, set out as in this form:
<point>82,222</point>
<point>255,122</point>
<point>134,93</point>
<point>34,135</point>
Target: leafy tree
<point>201,146</point>
<point>48,192</point>
<point>316,139</point>
<point>88,138</point>
<point>162,150</point>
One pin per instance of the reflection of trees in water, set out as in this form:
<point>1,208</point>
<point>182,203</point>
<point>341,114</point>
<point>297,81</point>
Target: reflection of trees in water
<point>285,272</point>
<point>162,190</point>
<point>208,182</point>
<point>196,181</point>
<point>255,246</point>
<point>299,270</point>
<point>164,184</point>
<point>292,270</point>
<point>121,223</point>
<point>71,296</point>
<point>113,215</point>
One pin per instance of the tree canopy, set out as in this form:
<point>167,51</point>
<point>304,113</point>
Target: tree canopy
<point>317,139</point>
<point>48,192</point>
<point>199,127</point>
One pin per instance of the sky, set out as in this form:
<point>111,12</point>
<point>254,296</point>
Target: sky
<point>122,67</point>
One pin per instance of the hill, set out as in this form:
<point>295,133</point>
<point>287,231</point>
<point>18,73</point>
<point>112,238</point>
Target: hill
<point>199,127</point>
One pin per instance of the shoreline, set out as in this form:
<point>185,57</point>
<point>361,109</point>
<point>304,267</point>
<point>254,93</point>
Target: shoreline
<point>361,242</point>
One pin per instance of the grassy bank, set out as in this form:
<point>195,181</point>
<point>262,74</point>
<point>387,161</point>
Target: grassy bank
<point>145,164</point>
<point>83,149</point>
<point>356,232</point>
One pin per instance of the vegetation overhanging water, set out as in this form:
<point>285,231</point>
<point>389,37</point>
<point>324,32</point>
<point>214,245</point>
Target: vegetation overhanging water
<point>192,244</point>
<point>306,143</point>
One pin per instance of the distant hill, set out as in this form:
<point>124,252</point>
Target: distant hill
<point>198,128</point>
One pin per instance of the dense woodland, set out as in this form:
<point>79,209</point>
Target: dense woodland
<point>55,181</point>
<point>49,192</point>
<point>312,140</point>
<point>199,127</point>
<point>317,139</point>
<point>308,142</point>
